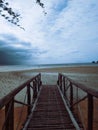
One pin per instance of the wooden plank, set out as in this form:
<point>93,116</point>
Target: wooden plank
<point>49,112</point>
<point>69,112</point>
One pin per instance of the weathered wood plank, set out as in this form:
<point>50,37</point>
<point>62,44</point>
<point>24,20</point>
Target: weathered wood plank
<point>50,112</point>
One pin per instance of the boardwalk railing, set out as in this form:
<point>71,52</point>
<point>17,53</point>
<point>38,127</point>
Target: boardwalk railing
<point>7,103</point>
<point>74,93</point>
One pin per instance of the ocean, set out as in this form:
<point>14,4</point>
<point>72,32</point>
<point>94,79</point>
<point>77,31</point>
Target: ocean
<point>6,68</point>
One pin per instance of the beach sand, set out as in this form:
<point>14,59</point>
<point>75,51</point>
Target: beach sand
<point>10,80</point>
<point>87,75</point>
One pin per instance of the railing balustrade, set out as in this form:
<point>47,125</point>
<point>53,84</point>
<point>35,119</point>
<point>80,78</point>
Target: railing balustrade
<point>74,93</point>
<point>7,102</point>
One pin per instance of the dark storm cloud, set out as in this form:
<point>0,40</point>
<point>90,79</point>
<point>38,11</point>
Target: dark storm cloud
<point>9,37</point>
<point>10,55</point>
<point>13,55</point>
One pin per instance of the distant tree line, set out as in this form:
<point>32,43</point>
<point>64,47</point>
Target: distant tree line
<point>95,61</point>
<point>7,12</point>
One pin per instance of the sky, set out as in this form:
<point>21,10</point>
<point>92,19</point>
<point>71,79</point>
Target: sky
<point>68,33</point>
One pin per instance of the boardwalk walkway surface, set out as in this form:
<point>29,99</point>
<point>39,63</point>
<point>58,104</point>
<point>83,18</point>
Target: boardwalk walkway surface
<point>50,112</point>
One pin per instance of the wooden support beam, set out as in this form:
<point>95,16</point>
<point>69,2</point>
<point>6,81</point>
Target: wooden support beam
<point>16,101</point>
<point>71,97</point>
<point>34,90</point>
<point>28,98</point>
<point>64,86</point>
<point>90,112</point>
<point>80,100</point>
<point>61,82</point>
<point>9,116</point>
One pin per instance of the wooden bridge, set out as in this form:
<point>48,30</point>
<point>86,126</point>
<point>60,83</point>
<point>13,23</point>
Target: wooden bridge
<point>50,107</point>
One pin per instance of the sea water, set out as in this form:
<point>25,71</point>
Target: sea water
<point>6,68</point>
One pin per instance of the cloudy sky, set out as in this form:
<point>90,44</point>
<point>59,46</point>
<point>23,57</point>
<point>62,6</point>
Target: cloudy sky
<point>68,33</point>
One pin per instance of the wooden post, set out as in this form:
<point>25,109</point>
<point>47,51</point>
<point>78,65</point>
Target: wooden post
<point>38,82</point>
<point>64,86</point>
<point>9,115</point>
<point>90,112</point>
<point>71,96</point>
<point>34,90</point>
<point>61,82</point>
<point>58,81</point>
<point>28,98</point>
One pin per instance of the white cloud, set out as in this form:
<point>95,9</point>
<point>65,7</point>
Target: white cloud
<point>65,30</point>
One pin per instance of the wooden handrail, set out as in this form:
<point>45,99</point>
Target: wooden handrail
<point>8,100</point>
<point>62,79</point>
<point>8,97</point>
<point>86,89</point>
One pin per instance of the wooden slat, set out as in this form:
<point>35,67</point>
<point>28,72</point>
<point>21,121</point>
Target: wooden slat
<point>50,112</point>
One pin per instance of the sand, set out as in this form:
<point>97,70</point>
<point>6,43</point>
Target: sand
<point>83,74</point>
<point>10,80</point>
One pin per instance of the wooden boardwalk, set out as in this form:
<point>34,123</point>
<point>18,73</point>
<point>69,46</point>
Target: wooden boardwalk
<point>50,112</point>
<point>50,107</point>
